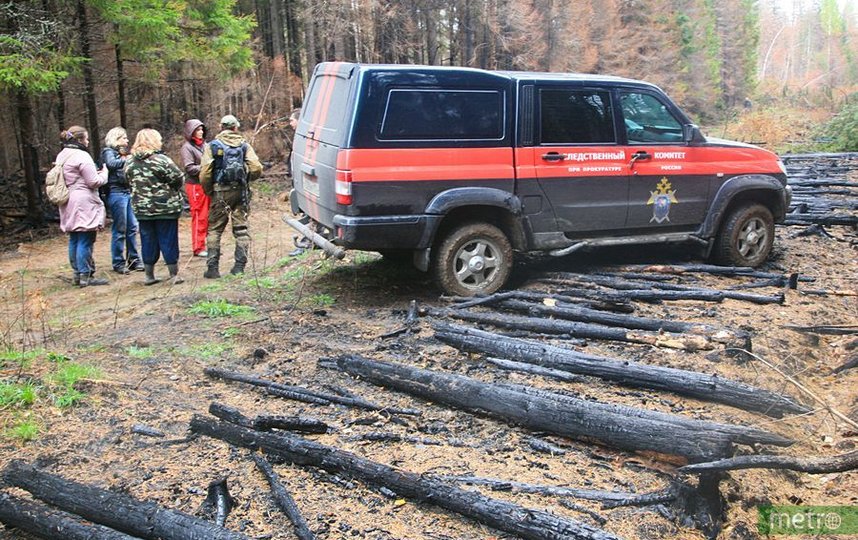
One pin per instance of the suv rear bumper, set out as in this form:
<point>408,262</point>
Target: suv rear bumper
<point>385,232</point>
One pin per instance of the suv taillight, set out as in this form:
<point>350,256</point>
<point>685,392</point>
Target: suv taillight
<point>343,187</point>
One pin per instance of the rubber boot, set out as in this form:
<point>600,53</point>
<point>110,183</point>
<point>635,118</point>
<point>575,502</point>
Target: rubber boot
<point>76,279</point>
<point>88,281</point>
<point>212,271</point>
<point>237,269</point>
<point>175,278</point>
<point>149,270</point>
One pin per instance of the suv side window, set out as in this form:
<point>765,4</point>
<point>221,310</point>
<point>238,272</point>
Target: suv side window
<point>648,120</point>
<point>576,117</point>
<point>443,115</point>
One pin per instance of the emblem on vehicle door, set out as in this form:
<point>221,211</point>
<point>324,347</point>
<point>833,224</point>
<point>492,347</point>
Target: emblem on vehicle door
<point>661,198</point>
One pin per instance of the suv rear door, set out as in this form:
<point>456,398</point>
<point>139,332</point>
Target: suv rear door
<point>579,165</point>
<point>321,131</point>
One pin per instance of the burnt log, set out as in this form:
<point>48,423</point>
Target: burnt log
<point>626,285</point>
<point>834,464</point>
<point>303,394</point>
<point>618,306</point>
<point>267,422</point>
<point>45,522</point>
<point>507,517</point>
<point>642,295</point>
<point>115,510</point>
<point>580,330</point>
<point>826,329</point>
<point>574,313</point>
<point>849,364</point>
<point>693,384</point>
<point>617,426</point>
<point>284,499</point>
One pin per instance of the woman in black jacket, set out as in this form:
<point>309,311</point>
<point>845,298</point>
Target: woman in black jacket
<point>123,246</point>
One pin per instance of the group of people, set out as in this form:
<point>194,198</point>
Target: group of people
<point>143,191</point>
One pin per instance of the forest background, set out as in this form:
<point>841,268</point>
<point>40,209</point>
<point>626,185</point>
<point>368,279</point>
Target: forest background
<point>781,73</point>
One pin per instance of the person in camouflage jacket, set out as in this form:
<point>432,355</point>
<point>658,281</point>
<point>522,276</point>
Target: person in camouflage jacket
<point>156,196</point>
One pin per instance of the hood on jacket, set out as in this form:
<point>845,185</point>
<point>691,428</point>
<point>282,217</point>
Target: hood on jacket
<point>142,154</point>
<point>191,126</point>
<point>231,138</point>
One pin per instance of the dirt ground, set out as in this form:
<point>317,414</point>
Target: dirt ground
<point>151,349</point>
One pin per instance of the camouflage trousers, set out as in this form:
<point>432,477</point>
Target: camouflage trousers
<point>225,206</point>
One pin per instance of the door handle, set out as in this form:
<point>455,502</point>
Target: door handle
<point>553,156</point>
<point>640,154</point>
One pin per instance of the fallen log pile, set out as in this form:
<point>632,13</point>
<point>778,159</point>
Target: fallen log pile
<point>822,192</point>
<point>525,522</point>
<point>682,382</point>
<point>111,510</point>
<point>626,428</point>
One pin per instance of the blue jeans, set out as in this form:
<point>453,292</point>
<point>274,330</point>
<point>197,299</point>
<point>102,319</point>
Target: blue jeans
<point>80,252</point>
<point>123,242</point>
<point>160,236</point>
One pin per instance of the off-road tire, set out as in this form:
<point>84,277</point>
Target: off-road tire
<point>746,236</point>
<point>473,258</point>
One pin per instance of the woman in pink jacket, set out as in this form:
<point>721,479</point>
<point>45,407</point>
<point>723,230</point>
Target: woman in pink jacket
<point>83,215</point>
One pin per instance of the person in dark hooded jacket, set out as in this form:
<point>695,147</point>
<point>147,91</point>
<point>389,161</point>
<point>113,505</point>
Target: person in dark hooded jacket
<point>156,195</point>
<point>191,155</point>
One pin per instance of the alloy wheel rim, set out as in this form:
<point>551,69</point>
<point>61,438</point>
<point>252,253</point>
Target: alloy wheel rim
<point>753,237</point>
<point>476,263</point>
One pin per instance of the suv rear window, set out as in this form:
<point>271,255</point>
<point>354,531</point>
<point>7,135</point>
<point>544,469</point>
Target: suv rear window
<point>443,115</point>
<point>576,117</point>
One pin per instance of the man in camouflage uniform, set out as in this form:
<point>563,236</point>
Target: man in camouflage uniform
<point>228,199</point>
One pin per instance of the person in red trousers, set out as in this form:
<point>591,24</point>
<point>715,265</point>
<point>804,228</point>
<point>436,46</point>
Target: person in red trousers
<point>191,156</point>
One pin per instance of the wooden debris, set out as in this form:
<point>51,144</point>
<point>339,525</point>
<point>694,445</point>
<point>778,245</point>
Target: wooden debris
<point>147,431</point>
<point>526,523</point>
<point>682,382</point>
<point>580,330</point>
<point>115,510</point>
<point>303,394</point>
<point>219,503</point>
<point>617,426</point>
<point>826,329</point>
<point>835,464</point>
<point>46,522</point>
<point>284,499</point>
<point>849,364</point>
<point>574,313</point>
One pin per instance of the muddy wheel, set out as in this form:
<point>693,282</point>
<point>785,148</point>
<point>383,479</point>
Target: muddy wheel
<point>746,236</point>
<point>475,258</point>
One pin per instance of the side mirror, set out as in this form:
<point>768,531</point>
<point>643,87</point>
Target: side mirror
<point>691,134</point>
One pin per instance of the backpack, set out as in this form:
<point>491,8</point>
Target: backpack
<point>229,163</point>
<point>55,184</point>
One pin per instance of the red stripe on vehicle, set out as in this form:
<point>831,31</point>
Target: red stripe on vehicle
<point>421,164</point>
<point>321,112</point>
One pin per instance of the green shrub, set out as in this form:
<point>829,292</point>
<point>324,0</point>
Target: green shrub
<point>17,394</point>
<point>840,134</point>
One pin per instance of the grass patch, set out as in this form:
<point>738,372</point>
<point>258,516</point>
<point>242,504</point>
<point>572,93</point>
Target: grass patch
<point>22,358</point>
<point>211,288</point>
<point>23,431</point>
<point>206,351</point>
<point>71,373</point>
<point>220,308</point>
<point>264,282</point>
<point>232,331</point>
<point>17,394</point>
<point>139,353</point>
<point>321,300</point>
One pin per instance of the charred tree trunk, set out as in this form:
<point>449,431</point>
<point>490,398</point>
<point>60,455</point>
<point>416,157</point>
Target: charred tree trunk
<point>284,499</point>
<point>120,86</point>
<point>580,330</point>
<point>836,464</point>
<point>524,522</point>
<point>114,510</point>
<point>88,80</point>
<point>616,426</point>
<point>45,522</point>
<point>685,383</point>
<point>29,157</point>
